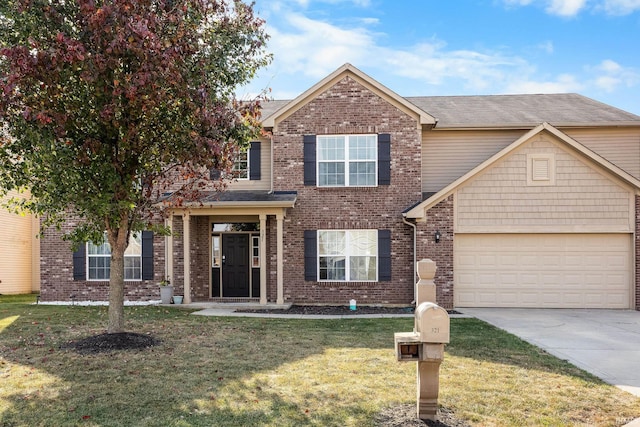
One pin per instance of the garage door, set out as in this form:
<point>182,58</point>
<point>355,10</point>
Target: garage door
<point>542,270</point>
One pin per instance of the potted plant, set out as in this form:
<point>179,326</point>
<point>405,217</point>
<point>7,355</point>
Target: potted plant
<point>166,291</point>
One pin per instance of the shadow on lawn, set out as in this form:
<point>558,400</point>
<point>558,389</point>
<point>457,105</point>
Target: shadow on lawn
<point>197,375</point>
<point>217,371</point>
<point>473,338</point>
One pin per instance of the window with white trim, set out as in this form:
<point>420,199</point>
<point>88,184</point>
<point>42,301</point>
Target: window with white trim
<point>348,255</point>
<point>99,260</point>
<point>347,160</point>
<point>240,169</point>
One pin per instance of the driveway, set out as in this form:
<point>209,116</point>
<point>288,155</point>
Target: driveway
<point>605,343</point>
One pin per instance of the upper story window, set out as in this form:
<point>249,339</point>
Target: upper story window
<point>99,260</point>
<point>245,166</point>
<point>347,160</point>
<point>240,168</point>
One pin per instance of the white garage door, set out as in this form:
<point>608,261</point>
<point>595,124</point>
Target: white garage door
<point>542,270</point>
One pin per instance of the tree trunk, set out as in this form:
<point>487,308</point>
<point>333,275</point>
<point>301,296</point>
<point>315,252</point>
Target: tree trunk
<point>118,239</point>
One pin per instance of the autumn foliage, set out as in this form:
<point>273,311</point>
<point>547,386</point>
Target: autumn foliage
<point>104,103</point>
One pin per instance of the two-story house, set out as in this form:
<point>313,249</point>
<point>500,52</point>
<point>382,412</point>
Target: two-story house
<point>522,201</point>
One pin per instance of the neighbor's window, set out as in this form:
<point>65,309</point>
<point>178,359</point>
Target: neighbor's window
<point>347,160</point>
<point>99,260</point>
<point>348,255</point>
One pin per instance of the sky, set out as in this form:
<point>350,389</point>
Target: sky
<point>457,47</point>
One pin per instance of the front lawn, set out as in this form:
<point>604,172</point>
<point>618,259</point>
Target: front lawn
<point>265,372</point>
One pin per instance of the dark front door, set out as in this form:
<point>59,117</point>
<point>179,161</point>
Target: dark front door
<point>235,265</point>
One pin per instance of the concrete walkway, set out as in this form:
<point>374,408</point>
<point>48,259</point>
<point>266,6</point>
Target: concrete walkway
<point>605,343</point>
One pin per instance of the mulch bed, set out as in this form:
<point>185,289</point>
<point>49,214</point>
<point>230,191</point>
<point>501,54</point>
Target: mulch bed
<point>104,343</point>
<point>335,310</point>
<point>405,416</point>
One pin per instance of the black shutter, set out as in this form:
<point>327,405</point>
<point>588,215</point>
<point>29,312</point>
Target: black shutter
<point>214,174</point>
<point>147,255</point>
<point>254,161</point>
<point>309,142</point>
<point>384,159</point>
<point>384,255</point>
<point>310,255</point>
<point>80,263</point>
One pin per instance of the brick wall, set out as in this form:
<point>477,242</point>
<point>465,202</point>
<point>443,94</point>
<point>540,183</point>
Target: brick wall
<point>56,272</point>
<point>439,218</point>
<point>347,108</point>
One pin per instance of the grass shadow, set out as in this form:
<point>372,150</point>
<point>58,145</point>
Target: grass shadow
<point>268,372</point>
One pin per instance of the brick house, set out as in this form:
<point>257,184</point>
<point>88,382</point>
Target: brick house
<point>522,201</point>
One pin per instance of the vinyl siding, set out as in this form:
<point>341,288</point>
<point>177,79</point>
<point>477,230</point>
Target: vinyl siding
<point>447,155</point>
<point>16,257</point>
<point>620,146</point>
<point>264,183</point>
<point>583,198</point>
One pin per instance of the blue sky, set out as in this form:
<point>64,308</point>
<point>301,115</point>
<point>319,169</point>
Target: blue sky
<point>455,47</point>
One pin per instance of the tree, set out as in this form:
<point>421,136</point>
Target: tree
<point>105,102</point>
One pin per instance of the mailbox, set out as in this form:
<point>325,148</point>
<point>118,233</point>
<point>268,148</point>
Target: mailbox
<point>432,323</point>
<point>425,345</point>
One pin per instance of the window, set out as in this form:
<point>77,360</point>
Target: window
<point>347,255</point>
<point>240,169</point>
<point>255,251</point>
<point>99,260</point>
<point>347,160</point>
<point>216,253</point>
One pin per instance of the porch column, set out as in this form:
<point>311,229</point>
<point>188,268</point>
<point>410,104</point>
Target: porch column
<point>263,259</point>
<point>186,243</point>
<point>279,258</point>
<point>168,249</point>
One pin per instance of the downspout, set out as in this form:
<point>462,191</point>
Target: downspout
<point>271,164</point>
<point>415,238</point>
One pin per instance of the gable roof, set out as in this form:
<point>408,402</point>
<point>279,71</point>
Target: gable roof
<point>472,112</point>
<point>280,110</point>
<point>522,111</point>
<point>418,211</point>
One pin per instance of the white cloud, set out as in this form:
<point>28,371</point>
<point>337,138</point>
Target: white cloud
<point>565,7</point>
<point>561,84</point>
<point>621,7</point>
<point>316,48</point>
<point>610,76</point>
<point>569,8</point>
<point>546,46</point>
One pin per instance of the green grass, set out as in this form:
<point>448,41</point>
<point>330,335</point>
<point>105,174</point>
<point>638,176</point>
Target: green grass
<point>265,372</point>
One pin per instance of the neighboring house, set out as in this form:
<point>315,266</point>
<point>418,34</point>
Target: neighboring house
<point>521,200</point>
<point>19,252</point>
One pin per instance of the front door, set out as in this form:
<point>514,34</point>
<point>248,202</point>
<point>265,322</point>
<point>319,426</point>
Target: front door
<point>235,265</point>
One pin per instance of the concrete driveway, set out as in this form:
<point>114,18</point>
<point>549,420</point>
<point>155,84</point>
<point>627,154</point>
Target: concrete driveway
<point>605,343</point>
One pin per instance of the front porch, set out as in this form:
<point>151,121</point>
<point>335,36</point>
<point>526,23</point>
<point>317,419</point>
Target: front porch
<point>229,236</point>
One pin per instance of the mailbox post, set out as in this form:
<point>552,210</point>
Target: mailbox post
<point>425,345</point>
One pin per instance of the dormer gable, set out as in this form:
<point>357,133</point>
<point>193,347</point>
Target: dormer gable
<point>347,70</point>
